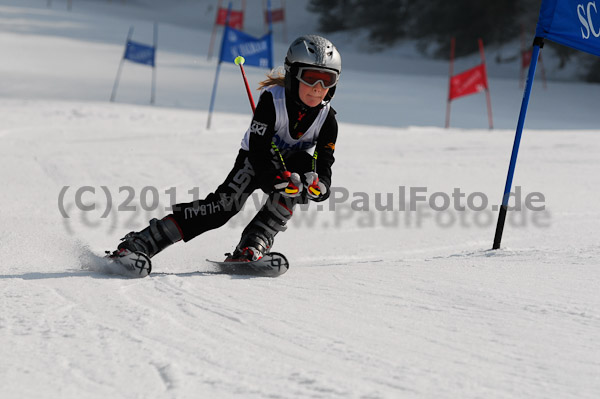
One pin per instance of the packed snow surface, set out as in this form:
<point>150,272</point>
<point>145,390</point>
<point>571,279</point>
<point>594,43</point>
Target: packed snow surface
<point>386,297</point>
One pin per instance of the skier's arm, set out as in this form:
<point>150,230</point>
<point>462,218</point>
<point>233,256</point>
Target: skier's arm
<point>265,163</point>
<point>325,149</point>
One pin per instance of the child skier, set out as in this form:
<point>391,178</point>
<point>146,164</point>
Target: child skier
<point>287,152</point>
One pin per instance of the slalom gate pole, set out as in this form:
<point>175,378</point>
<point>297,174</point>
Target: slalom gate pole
<point>450,73</point>
<point>212,97</point>
<point>269,16</point>
<point>214,91</point>
<point>522,56</point>
<point>113,95</point>
<point>284,21</point>
<point>538,43</point>
<point>153,89</point>
<point>487,90</point>
<point>214,31</point>
<point>239,60</point>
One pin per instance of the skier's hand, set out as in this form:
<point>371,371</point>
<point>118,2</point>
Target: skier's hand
<point>288,184</point>
<point>315,190</point>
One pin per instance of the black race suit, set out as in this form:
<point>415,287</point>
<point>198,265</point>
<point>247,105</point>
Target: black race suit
<point>258,167</point>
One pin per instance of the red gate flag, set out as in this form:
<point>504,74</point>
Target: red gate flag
<point>471,81</point>
<point>277,15</point>
<point>236,21</point>
<point>236,18</point>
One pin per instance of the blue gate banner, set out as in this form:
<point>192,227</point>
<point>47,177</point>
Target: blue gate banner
<point>140,53</point>
<point>573,23</point>
<point>257,51</point>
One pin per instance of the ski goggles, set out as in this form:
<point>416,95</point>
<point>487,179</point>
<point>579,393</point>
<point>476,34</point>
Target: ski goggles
<point>310,76</point>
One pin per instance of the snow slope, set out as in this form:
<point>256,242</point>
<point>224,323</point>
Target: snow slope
<point>377,304</point>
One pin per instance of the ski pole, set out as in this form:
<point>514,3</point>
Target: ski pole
<point>239,60</point>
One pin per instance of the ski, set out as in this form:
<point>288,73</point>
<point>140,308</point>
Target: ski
<point>272,264</point>
<point>129,264</point>
<point>137,265</point>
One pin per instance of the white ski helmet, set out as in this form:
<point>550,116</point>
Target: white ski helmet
<point>310,50</point>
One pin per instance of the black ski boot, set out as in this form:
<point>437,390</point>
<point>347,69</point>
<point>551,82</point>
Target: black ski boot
<point>153,239</point>
<point>258,237</point>
<point>134,252</point>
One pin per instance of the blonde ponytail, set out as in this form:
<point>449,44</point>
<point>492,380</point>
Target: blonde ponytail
<point>274,78</point>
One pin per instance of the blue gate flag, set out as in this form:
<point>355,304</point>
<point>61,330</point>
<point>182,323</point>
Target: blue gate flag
<point>573,23</point>
<point>257,51</point>
<point>140,53</point>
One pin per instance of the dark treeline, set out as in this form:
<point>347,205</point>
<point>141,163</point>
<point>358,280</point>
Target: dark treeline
<point>433,22</point>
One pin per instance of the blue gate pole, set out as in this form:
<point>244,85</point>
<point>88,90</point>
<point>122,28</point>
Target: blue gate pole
<point>113,95</point>
<point>538,43</point>
<point>214,91</point>
<point>153,90</point>
<point>212,98</point>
